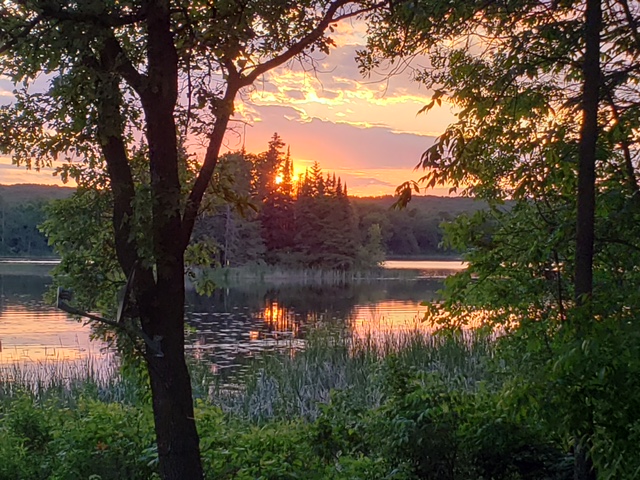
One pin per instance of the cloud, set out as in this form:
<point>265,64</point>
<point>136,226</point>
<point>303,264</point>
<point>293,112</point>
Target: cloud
<point>372,160</point>
<point>364,129</point>
<point>350,32</point>
<point>356,181</point>
<point>335,91</point>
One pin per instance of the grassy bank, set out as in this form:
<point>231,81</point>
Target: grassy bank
<point>39,268</point>
<point>407,406</point>
<point>285,386</point>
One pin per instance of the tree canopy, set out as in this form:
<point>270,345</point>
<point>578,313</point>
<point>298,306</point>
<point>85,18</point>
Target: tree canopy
<point>547,107</point>
<point>128,85</point>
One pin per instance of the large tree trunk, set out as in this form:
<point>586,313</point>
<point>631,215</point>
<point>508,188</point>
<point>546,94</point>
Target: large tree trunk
<point>177,437</point>
<point>178,443</point>
<point>587,155</point>
<point>586,201</point>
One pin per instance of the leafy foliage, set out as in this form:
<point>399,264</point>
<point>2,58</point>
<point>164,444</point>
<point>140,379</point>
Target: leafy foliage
<point>19,234</point>
<point>517,72</point>
<point>439,413</point>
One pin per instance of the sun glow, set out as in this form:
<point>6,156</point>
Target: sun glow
<point>280,320</point>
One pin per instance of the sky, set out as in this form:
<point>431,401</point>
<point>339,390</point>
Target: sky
<point>366,130</point>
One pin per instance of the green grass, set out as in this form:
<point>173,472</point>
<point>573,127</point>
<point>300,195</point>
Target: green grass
<point>10,268</point>
<point>371,407</point>
<point>296,385</point>
<point>289,383</point>
<point>65,382</point>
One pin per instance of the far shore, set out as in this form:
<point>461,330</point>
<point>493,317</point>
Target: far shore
<point>31,260</point>
<point>27,266</point>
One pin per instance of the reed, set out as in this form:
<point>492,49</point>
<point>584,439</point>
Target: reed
<point>65,382</point>
<point>229,277</point>
<point>296,385</point>
<point>282,384</point>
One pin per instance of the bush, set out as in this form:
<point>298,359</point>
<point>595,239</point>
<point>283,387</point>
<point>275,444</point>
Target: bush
<point>94,440</point>
<point>429,428</point>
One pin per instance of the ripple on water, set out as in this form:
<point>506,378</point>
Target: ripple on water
<point>258,320</point>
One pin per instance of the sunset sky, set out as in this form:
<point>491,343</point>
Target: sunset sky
<point>365,129</point>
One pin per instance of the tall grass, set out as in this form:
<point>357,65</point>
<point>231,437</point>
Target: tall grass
<point>229,277</point>
<point>296,385</point>
<point>67,381</point>
<point>279,385</point>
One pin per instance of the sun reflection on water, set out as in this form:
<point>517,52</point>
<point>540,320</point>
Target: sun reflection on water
<point>29,335</point>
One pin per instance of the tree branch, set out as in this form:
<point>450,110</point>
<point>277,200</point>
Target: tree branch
<point>103,19</point>
<point>223,113</point>
<point>297,48</point>
<point>632,21</point>
<point>626,147</point>
<point>122,64</point>
<point>153,344</point>
<point>224,110</point>
<point>14,38</point>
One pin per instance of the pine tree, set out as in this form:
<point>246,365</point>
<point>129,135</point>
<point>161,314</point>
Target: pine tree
<point>287,175</point>
<point>276,214</point>
<point>267,168</point>
<point>326,233</point>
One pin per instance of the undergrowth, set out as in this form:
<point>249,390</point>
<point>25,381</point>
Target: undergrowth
<point>406,406</point>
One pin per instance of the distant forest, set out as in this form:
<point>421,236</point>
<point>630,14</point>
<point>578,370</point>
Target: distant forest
<point>262,214</point>
<point>21,212</point>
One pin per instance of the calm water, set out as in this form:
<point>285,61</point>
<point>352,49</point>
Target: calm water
<point>229,327</point>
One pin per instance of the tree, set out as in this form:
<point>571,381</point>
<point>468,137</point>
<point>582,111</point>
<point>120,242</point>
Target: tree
<point>546,95</point>
<point>325,224</point>
<point>228,217</point>
<point>276,213</point>
<point>267,168</point>
<point>371,253</point>
<point>170,70</point>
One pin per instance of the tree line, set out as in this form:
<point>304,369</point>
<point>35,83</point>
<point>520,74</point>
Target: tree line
<point>19,234</point>
<point>262,229</point>
<point>22,211</point>
<point>547,117</point>
<point>271,217</point>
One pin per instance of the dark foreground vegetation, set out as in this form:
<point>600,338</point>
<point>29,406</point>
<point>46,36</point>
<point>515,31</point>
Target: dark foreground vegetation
<point>399,407</point>
<point>547,107</point>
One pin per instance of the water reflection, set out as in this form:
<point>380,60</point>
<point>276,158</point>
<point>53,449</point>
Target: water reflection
<point>237,324</point>
<point>227,329</point>
<point>32,332</point>
<point>427,268</point>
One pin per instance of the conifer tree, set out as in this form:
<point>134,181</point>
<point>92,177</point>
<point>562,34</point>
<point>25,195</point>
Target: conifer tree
<point>276,213</point>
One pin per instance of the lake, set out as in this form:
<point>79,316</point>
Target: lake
<point>230,327</point>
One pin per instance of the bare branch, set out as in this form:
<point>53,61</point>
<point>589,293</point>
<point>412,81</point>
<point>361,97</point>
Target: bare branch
<point>153,344</point>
